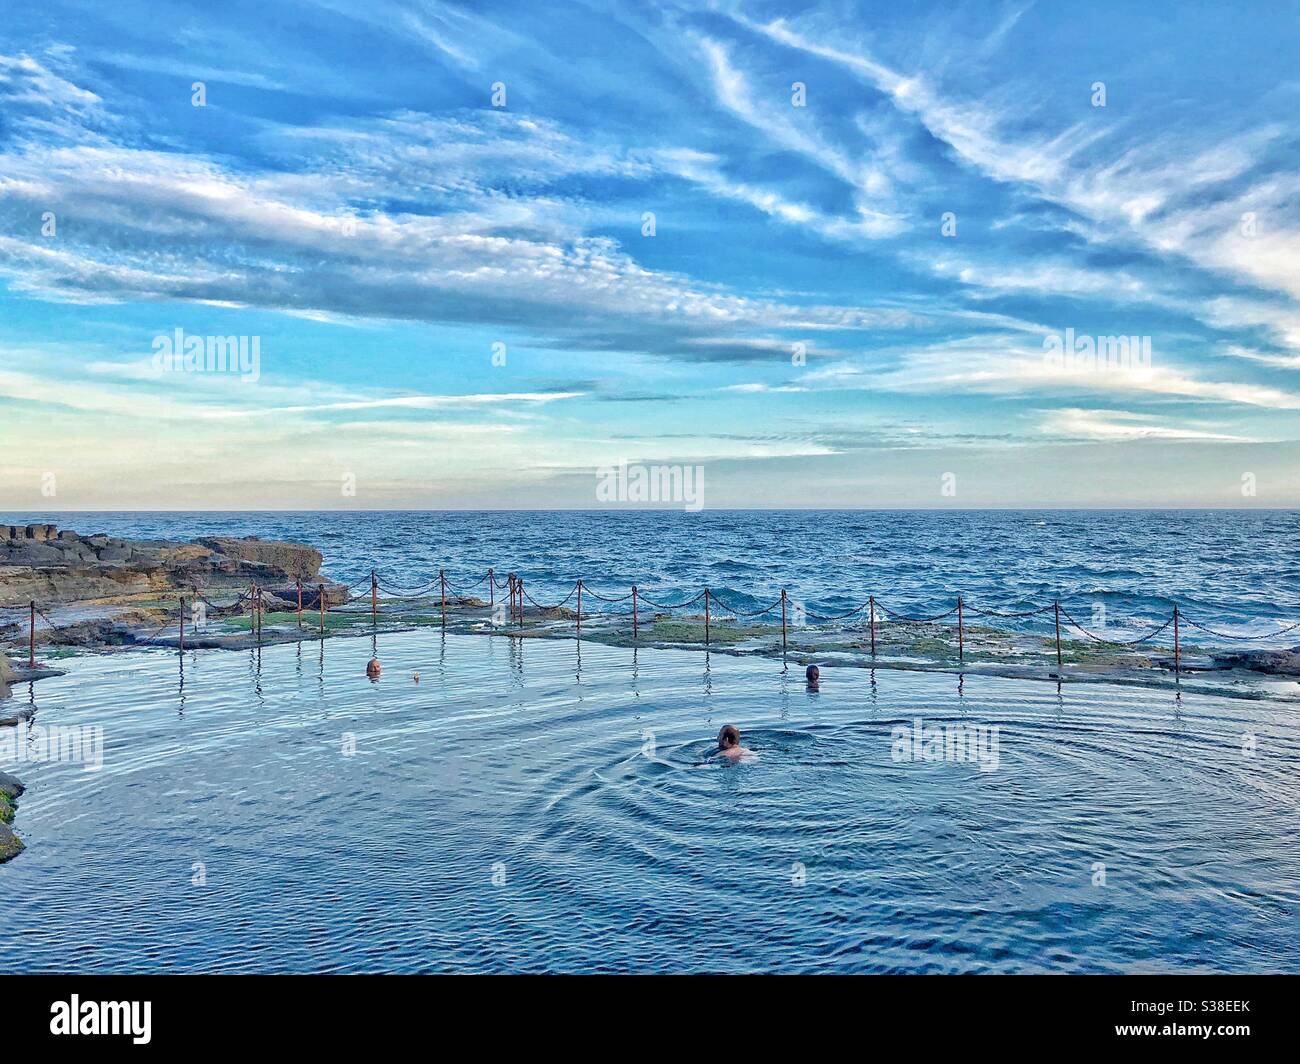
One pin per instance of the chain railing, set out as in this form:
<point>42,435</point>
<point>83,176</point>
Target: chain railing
<point>305,599</point>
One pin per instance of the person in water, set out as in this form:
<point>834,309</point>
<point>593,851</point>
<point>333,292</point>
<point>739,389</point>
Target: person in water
<point>373,668</point>
<point>729,745</point>
<point>814,677</point>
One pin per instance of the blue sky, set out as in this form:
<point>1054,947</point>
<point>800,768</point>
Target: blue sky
<point>351,195</point>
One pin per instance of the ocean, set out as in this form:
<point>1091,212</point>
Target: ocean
<point>1236,572</point>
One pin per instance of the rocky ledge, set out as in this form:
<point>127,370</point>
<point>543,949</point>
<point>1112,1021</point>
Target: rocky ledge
<point>7,678</point>
<point>10,844</point>
<point>1273,662</point>
<point>52,566</point>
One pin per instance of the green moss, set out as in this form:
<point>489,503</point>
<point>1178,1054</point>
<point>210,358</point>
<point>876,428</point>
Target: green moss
<point>334,621</point>
<point>693,632</point>
<point>10,847</point>
<point>10,844</point>
<point>925,647</point>
<point>243,621</point>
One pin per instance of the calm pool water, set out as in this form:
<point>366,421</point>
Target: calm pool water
<point>541,807</point>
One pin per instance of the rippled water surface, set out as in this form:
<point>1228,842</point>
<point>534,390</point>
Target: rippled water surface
<point>541,806</point>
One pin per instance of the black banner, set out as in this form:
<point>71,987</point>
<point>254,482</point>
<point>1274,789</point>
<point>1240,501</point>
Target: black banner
<point>336,1013</point>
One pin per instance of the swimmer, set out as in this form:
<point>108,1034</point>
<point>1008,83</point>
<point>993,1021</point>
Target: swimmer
<point>372,668</point>
<point>729,745</point>
<point>814,677</point>
<point>416,677</point>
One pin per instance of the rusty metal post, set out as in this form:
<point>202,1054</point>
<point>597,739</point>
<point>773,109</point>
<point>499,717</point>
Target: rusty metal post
<point>299,583</point>
<point>872,601</point>
<point>706,616</point>
<point>442,583</point>
<point>492,588</point>
<point>783,634</point>
<point>519,590</point>
<point>961,633</point>
<point>634,625</point>
<point>374,597</point>
<point>1178,655</point>
<point>320,589</point>
<point>182,641</point>
<point>579,609</point>
<point>1058,633</point>
<point>31,638</point>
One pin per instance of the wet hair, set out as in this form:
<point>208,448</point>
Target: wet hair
<point>812,672</point>
<point>728,737</point>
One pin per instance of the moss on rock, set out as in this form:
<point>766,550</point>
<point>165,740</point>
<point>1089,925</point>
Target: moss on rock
<point>10,844</point>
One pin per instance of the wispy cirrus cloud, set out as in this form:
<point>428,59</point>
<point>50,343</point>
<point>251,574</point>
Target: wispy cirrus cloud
<point>1212,208</point>
<point>354,198</point>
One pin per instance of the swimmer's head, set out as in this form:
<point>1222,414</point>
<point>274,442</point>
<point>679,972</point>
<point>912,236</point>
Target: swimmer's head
<point>372,667</point>
<point>813,673</point>
<point>728,737</point>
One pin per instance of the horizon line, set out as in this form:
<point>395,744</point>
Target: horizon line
<point>721,509</point>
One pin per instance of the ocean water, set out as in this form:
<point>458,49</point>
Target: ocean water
<point>546,806</point>
<point>1237,572</point>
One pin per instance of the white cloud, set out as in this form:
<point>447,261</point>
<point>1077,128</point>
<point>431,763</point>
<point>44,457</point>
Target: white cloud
<point>973,365</point>
<point>773,119</point>
<point>25,80</point>
<point>1113,425</point>
<point>1151,193</point>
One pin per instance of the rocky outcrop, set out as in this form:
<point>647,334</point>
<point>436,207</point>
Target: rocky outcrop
<point>10,844</point>
<point>1274,662</point>
<point>10,787</point>
<point>41,562</point>
<point>294,559</point>
<point>7,676</point>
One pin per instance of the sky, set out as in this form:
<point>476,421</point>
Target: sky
<point>824,255</point>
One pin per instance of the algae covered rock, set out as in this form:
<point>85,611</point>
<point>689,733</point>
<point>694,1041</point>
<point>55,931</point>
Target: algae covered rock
<point>10,844</point>
<point>10,786</point>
